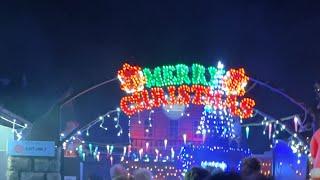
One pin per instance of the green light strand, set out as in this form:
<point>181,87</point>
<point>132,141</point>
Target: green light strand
<point>182,74</point>
<point>154,79</point>
<point>212,71</point>
<point>198,74</point>
<point>168,77</point>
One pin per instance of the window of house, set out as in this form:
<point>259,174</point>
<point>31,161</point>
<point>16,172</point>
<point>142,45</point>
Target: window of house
<point>174,128</point>
<point>148,131</point>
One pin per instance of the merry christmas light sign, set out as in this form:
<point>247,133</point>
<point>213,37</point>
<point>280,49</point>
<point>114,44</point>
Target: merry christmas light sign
<point>180,84</point>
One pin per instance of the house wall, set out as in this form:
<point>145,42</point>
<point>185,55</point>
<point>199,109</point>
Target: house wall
<point>161,127</point>
<point>3,164</point>
<point>5,135</point>
<point>35,168</point>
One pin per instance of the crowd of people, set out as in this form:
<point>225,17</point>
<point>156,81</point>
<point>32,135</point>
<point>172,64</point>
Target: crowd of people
<point>249,170</point>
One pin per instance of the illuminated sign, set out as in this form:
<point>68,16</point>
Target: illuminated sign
<point>31,148</point>
<point>221,165</point>
<point>179,84</point>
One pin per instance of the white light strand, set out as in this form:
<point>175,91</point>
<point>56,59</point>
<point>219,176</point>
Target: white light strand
<point>297,145</point>
<point>101,120</point>
<point>18,134</point>
<point>14,122</point>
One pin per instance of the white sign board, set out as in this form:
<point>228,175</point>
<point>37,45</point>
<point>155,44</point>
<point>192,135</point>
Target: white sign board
<point>31,148</point>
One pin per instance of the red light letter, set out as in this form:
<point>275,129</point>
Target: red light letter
<point>199,93</point>
<point>158,97</point>
<point>127,105</point>
<point>172,95</point>
<point>184,96</point>
<point>246,106</point>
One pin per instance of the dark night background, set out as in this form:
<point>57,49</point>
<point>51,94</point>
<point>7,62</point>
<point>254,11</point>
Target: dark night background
<point>49,48</point>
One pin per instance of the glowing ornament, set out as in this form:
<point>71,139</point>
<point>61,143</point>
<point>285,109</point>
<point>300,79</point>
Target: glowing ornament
<point>247,131</point>
<point>165,142</point>
<point>157,154</point>
<point>80,149</point>
<point>98,156</point>
<point>111,160</point>
<point>90,148</point>
<point>96,150</point>
<point>131,78</point>
<point>203,137</point>
<point>172,153</point>
<point>124,150</point>
<point>64,145</point>
<point>108,149</point>
<point>129,150</point>
<point>140,153</point>
<point>184,138</point>
<point>296,121</point>
<point>111,149</point>
<point>270,130</point>
<point>147,146</point>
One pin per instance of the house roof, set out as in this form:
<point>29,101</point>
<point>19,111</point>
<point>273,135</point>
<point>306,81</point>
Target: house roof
<point>9,119</point>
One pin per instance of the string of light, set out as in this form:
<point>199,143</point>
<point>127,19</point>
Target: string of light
<point>297,144</point>
<point>14,123</point>
<point>100,120</point>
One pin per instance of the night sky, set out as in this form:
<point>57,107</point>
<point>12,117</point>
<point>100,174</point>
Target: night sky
<point>49,48</point>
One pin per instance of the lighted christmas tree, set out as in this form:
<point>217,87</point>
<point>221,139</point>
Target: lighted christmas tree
<point>220,123</point>
<point>216,121</point>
